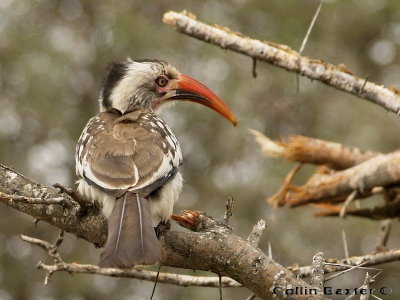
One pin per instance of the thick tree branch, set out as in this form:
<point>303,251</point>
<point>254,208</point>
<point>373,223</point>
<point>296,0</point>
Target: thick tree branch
<point>236,254</point>
<point>91,227</point>
<point>344,174</point>
<point>213,248</point>
<point>379,171</point>
<point>283,56</point>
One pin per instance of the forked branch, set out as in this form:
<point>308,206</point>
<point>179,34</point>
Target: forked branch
<point>212,247</point>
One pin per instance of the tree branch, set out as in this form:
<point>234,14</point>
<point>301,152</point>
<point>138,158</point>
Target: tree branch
<point>169,278</point>
<point>212,248</point>
<point>256,233</point>
<point>344,174</point>
<point>336,265</point>
<point>304,149</point>
<point>283,56</point>
<point>91,227</point>
<point>317,272</point>
<point>389,210</point>
<point>381,170</point>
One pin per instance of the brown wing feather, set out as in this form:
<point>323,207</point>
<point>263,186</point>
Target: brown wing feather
<point>124,151</point>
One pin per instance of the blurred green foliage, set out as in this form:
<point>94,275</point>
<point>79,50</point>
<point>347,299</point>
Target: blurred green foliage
<point>53,54</point>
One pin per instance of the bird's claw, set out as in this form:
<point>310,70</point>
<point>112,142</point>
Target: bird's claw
<point>188,219</point>
<point>73,194</point>
<point>162,227</point>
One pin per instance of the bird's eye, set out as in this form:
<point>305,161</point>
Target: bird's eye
<point>162,81</point>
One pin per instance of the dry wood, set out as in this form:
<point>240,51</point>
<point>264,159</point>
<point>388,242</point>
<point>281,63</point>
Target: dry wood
<point>256,233</point>
<point>313,151</point>
<point>339,77</point>
<point>317,273</point>
<point>383,236</point>
<point>169,278</point>
<point>389,210</point>
<point>212,248</point>
<point>335,265</point>
<point>281,197</point>
<point>366,172</point>
<point>381,170</point>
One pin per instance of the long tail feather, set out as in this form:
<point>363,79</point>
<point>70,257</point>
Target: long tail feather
<point>121,221</point>
<point>140,223</point>
<point>131,236</point>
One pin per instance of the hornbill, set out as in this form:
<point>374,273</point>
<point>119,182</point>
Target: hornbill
<point>127,159</point>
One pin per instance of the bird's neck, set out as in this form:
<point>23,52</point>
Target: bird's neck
<point>117,112</point>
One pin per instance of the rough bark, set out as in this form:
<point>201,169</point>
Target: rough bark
<point>215,248</point>
<point>91,227</point>
<point>381,170</point>
<point>319,152</point>
<point>283,56</point>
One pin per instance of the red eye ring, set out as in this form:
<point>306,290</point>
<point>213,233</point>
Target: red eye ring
<point>162,81</point>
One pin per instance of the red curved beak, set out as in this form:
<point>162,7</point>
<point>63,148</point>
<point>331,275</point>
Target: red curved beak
<point>189,89</point>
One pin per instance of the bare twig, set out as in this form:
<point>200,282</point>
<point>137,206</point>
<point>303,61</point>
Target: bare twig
<point>52,250</point>
<point>310,27</point>
<point>254,69</point>
<point>169,278</point>
<point>367,282</point>
<point>30,200</point>
<point>303,44</point>
<point>220,286</point>
<point>336,265</point>
<point>310,150</point>
<point>228,209</point>
<point>269,249</point>
<point>280,198</point>
<point>256,233</point>
<point>284,57</point>
<point>384,232</point>
<point>345,247</point>
<point>345,266</point>
<point>155,283</point>
<point>345,271</point>
<point>317,273</point>
<point>346,203</point>
<point>389,210</point>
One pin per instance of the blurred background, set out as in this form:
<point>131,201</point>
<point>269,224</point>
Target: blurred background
<point>53,55</point>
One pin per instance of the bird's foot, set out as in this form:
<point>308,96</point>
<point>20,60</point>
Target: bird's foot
<point>162,227</point>
<point>83,204</point>
<point>189,219</point>
<point>73,194</point>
